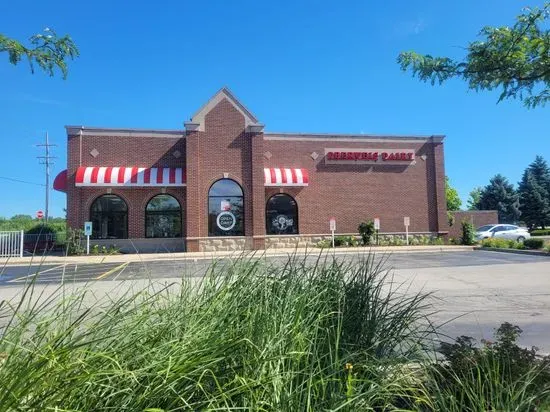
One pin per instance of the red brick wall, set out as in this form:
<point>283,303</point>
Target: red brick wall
<point>351,193</point>
<point>223,149</point>
<point>476,217</point>
<point>121,151</point>
<point>354,193</point>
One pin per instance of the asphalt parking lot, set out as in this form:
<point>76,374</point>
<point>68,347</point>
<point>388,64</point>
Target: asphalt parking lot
<point>152,269</point>
<point>473,291</point>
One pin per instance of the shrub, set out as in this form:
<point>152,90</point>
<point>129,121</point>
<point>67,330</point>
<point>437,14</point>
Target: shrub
<point>499,376</point>
<point>534,243</point>
<point>345,241</point>
<point>251,335</point>
<point>75,242</point>
<point>540,232</point>
<point>366,230</point>
<point>324,243</point>
<point>468,233</point>
<point>40,229</point>
<point>500,243</point>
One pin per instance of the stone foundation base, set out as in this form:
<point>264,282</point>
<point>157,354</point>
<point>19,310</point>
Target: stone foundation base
<point>215,244</point>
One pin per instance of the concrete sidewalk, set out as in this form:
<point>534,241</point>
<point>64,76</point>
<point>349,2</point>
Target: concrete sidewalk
<point>39,259</point>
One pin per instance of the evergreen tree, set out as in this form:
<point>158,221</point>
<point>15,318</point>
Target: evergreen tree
<point>501,196</point>
<point>534,190</point>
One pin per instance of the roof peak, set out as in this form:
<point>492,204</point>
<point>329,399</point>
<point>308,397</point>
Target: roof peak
<point>224,93</point>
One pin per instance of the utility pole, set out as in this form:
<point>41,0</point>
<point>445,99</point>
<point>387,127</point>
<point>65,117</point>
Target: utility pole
<point>47,161</point>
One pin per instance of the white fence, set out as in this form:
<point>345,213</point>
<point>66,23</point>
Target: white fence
<point>11,244</point>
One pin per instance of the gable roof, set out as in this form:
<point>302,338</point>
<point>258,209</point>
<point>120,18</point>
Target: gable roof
<point>223,93</point>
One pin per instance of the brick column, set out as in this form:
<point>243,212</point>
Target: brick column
<point>193,210</point>
<point>439,183</point>
<point>256,137</point>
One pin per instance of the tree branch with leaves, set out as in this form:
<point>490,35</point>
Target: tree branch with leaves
<point>47,51</point>
<point>514,59</point>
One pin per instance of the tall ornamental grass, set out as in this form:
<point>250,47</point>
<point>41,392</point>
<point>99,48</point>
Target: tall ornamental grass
<point>250,336</point>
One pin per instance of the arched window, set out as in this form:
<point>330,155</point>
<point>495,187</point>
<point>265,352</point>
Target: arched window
<point>225,209</point>
<point>281,215</point>
<point>109,216</point>
<point>163,217</point>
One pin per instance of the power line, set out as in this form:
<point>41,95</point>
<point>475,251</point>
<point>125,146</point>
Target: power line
<point>46,160</point>
<point>21,181</point>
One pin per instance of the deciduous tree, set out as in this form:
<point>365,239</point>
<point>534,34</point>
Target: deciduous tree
<point>514,60</point>
<point>453,199</point>
<point>47,50</point>
<point>473,200</point>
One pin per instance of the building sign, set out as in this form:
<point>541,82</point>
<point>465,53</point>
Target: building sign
<point>369,156</point>
<point>226,220</point>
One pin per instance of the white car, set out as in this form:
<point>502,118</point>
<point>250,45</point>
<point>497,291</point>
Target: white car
<point>502,232</point>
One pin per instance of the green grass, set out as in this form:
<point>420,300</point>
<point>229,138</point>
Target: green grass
<point>252,336</point>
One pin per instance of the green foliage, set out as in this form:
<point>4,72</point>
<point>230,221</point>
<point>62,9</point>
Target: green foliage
<point>451,194</point>
<point>500,243</point>
<point>533,243</point>
<point>366,230</point>
<point>47,51</point>
<point>468,233</point>
<point>250,336</point>
<point>499,376</point>
<point>324,243</point>
<point>346,241</point>
<point>540,232</point>
<point>534,190</point>
<point>501,196</point>
<point>26,223</point>
<point>41,229</point>
<point>474,198</point>
<point>75,242</point>
<point>512,59</point>
<point>104,250</point>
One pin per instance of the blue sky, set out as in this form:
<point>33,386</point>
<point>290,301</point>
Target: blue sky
<point>307,66</point>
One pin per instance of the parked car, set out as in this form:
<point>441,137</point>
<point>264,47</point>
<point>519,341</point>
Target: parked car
<point>511,232</point>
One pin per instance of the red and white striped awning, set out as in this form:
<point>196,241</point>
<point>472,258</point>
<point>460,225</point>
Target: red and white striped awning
<point>130,176</point>
<point>285,177</point>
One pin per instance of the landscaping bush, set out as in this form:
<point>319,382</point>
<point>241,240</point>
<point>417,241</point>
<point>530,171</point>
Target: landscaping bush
<point>41,229</point>
<point>499,376</point>
<point>75,242</point>
<point>345,241</point>
<point>502,243</point>
<point>534,243</point>
<point>366,230</point>
<point>249,336</point>
<point>468,233</point>
<point>540,232</point>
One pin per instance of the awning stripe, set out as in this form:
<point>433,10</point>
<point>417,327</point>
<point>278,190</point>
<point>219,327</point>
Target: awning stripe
<point>130,176</point>
<point>285,177</point>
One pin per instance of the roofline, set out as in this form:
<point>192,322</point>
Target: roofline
<point>354,137</point>
<point>123,132</point>
<point>231,95</point>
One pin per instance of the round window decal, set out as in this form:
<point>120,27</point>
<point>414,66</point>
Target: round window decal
<point>226,221</point>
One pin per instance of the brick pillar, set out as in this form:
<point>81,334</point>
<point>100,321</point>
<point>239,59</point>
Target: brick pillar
<point>439,183</point>
<point>258,189</point>
<point>193,209</point>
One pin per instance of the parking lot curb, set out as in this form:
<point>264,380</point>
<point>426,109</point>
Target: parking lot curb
<point>516,251</point>
<point>41,260</point>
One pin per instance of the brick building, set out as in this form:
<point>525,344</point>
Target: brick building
<point>223,183</point>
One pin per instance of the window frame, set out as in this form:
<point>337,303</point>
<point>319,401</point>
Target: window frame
<point>243,213</point>
<point>111,214</point>
<point>297,215</point>
<point>180,214</point>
